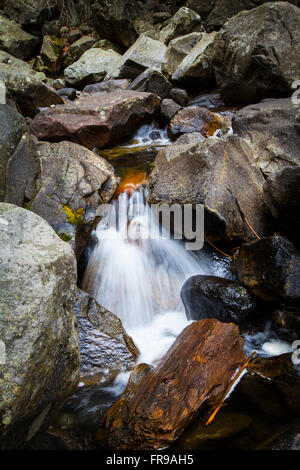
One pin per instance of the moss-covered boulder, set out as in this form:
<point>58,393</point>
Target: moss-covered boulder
<point>52,54</point>
<point>40,348</point>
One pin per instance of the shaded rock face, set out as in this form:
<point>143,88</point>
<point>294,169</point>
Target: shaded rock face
<point>143,54</point>
<point>52,54</point>
<point>277,277</point>
<point>214,173</point>
<point>97,120</point>
<point>185,21</point>
<point>215,297</point>
<point>19,165</point>
<point>272,385</point>
<point>78,48</point>
<point>29,13</point>
<point>114,20</point>
<point>105,347</point>
<point>27,90</point>
<point>177,50</point>
<point>152,81</point>
<point>196,69</point>
<point>167,109</point>
<point>15,41</point>
<point>288,439</point>
<point>282,197</point>
<point>73,183</point>
<point>194,119</point>
<point>256,54</point>
<point>92,67</point>
<point>37,323</point>
<point>191,373</point>
<point>109,86</point>
<point>272,129</point>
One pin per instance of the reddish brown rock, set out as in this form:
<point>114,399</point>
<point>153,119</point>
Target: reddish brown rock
<point>194,119</point>
<point>97,120</point>
<point>194,372</point>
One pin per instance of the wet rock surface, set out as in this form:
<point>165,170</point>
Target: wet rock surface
<point>96,120</point>
<point>213,297</point>
<point>105,348</point>
<point>169,395</point>
<point>37,323</point>
<point>194,119</point>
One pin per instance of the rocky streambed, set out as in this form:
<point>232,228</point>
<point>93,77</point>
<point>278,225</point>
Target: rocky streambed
<point>121,342</point>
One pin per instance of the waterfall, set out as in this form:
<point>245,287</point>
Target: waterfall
<point>138,278</point>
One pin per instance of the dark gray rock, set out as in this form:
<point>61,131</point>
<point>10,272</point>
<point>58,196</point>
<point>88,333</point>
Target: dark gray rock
<point>152,81</point>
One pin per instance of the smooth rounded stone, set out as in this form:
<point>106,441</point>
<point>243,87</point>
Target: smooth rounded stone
<point>96,120</point>
<point>282,197</point>
<point>74,35</point>
<point>19,165</point>
<point>214,173</point>
<point>196,69</point>
<point>70,93</point>
<point>168,109</point>
<point>152,81</point>
<point>192,372</point>
<point>15,41</point>
<point>27,89</point>
<point>177,50</point>
<point>92,67</point>
<point>77,49</point>
<point>114,20</point>
<point>215,297</point>
<point>145,53</point>
<point>185,21</point>
<point>38,277</point>
<point>192,138</point>
<point>265,42</point>
<point>270,269</point>
<point>194,119</point>
<point>180,96</point>
<point>58,84</point>
<point>73,183</point>
<point>52,53</point>
<point>108,86</point>
<point>272,130</point>
<point>105,347</point>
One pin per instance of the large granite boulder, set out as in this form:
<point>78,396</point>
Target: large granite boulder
<point>215,297</point>
<point>256,54</point>
<point>196,69</point>
<point>177,50</point>
<point>37,323</point>
<point>214,173</point>
<point>143,54</point>
<point>15,41</point>
<point>270,269</point>
<point>73,183</point>
<point>185,21</point>
<point>96,120</point>
<point>105,347</point>
<point>92,67</point>
<point>27,89</point>
<point>19,165</point>
<point>282,197</point>
<point>166,398</point>
<point>273,131</point>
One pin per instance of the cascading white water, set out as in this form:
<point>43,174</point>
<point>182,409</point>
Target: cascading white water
<point>139,279</point>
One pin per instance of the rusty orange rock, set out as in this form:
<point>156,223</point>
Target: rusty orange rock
<point>131,182</point>
<point>155,409</point>
<point>194,119</point>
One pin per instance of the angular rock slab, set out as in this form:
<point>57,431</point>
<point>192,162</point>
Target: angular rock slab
<point>15,41</point>
<point>97,120</point>
<point>37,323</point>
<point>214,173</point>
<point>256,54</point>
<point>194,371</point>
<point>184,21</point>
<point>105,347</point>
